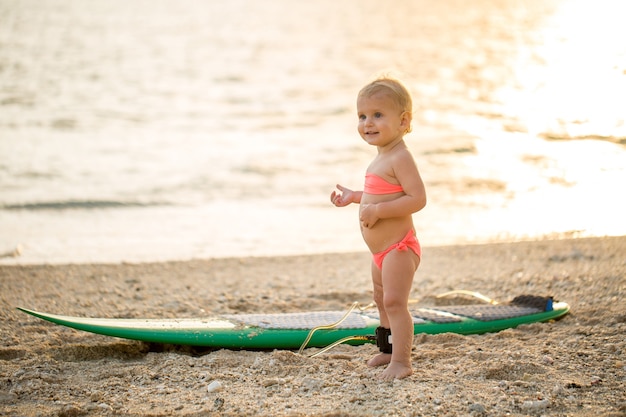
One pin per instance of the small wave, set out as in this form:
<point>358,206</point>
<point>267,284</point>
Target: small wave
<point>556,137</point>
<point>64,124</point>
<point>78,205</point>
<point>451,151</point>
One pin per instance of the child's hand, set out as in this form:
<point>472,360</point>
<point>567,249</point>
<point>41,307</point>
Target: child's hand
<point>344,198</point>
<point>368,216</point>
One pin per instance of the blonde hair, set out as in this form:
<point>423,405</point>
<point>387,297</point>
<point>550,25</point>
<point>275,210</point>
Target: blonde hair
<point>394,89</point>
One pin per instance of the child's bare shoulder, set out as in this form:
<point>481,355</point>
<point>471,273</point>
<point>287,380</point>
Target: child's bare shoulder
<point>402,156</point>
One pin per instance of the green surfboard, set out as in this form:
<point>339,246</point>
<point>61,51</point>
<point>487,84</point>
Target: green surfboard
<point>290,330</point>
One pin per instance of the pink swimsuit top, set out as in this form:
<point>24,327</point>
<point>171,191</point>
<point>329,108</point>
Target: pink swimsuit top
<point>376,185</point>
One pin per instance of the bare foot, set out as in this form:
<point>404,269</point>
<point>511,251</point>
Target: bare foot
<point>396,370</point>
<point>380,359</point>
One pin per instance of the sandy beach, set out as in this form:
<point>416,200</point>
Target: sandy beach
<point>572,367</point>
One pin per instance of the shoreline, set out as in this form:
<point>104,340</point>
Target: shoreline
<point>574,366</point>
<point>14,255</point>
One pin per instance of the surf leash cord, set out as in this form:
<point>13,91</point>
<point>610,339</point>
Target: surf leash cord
<point>354,306</point>
<point>474,294</point>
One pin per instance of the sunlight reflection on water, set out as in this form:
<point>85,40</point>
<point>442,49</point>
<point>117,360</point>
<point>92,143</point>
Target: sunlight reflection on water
<point>200,129</point>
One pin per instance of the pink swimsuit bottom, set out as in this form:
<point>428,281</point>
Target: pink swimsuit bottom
<point>408,242</point>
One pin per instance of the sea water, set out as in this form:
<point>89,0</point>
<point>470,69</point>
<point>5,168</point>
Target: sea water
<point>167,129</point>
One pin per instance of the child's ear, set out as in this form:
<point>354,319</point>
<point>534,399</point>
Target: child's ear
<point>405,121</point>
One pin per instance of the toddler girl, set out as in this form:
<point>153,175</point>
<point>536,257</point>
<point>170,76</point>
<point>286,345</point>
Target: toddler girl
<point>393,191</point>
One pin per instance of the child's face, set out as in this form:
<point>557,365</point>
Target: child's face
<point>381,122</point>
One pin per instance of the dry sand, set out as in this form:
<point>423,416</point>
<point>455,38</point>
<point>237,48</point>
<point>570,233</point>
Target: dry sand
<point>572,367</point>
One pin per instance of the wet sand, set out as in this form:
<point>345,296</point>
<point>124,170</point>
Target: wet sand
<point>572,367</point>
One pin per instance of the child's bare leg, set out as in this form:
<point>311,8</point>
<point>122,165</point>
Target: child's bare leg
<point>400,361</point>
<point>397,278</point>
<point>381,358</point>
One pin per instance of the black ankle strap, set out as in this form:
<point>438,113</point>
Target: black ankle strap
<point>383,336</point>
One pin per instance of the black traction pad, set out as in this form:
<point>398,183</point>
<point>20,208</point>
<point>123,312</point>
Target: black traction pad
<point>490,312</point>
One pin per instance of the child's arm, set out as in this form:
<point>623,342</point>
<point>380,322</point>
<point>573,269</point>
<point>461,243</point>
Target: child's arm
<point>345,197</point>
